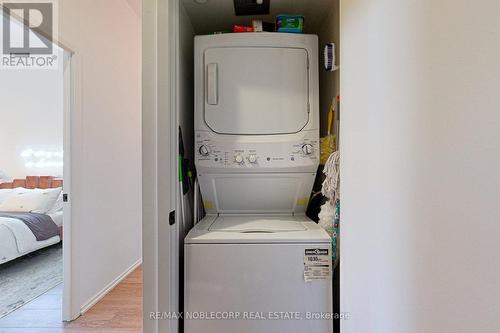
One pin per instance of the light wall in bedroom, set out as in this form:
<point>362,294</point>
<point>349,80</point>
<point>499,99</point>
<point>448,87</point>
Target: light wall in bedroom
<point>31,122</point>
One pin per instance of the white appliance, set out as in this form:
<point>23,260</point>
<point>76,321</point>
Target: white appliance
<point>256,263</point>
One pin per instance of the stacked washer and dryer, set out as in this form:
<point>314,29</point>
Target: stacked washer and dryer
<point>255,262</point>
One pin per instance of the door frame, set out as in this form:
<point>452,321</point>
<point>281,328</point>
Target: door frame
<point>159,164</point>
<point>70,304</point>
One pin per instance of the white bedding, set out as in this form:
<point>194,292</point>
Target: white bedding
<point>16,239</point>
<point>57,218</point>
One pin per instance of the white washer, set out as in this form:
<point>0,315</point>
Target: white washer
<point>256,256</point>
<point>254,265</point>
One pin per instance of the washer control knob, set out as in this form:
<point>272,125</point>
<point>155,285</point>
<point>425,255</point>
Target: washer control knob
<point>252,158</point>
<point>204,151</point>
<point>308,149</point>
<point>238,159</point>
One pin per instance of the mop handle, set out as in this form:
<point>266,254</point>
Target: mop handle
<point>330,119</point>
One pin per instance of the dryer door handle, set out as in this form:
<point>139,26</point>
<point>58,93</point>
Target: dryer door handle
<point>212,84</point>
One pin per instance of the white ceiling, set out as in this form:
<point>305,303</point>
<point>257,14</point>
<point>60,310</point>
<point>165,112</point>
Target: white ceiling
<point>218,15</point>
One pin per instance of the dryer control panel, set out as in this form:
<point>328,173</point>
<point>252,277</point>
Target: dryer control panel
<point>268,153</point>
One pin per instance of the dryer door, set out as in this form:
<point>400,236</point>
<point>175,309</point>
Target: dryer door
<point>256,90</point>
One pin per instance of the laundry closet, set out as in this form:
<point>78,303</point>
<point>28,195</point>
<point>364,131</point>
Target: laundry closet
<point>223,195</point>
<point>267,188</point>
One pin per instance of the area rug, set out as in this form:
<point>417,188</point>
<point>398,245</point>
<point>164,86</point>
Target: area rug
<point>26,278</point>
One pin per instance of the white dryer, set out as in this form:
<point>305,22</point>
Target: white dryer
<point>256,263</point>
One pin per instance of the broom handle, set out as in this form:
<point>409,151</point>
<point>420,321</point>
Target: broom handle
<point>330,119</point>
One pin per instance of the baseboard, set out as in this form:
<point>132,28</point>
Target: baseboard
<point>90,303</point>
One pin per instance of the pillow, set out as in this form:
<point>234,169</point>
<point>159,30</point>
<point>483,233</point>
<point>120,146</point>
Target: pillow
<point>50,195</point>
<point>58,205</point>
<point>27,200</point>
<point>5,193</point>
<point>17,190</point>
<point>10,203</point>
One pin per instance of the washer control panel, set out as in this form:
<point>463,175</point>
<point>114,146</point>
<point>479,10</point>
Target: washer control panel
<point>257,152</point>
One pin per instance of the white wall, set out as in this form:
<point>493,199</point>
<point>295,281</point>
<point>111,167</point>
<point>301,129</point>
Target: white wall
<point>420,143</point>
<point>31,117</point>
<point>106,139</point>
<point>328,81</point>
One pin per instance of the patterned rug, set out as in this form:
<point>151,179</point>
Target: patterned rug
<point>26,278</point>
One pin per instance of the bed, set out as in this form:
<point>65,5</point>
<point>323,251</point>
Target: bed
<point>17,236</point>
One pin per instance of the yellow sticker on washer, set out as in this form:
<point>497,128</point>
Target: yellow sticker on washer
<point>302,201</point>
<point>208,204</point>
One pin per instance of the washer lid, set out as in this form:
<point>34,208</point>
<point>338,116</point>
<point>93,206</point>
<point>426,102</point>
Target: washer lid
<point>256,224</point>
<point>257,229</point>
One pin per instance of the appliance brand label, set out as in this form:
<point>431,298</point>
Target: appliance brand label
<point>312,252</point>
<point>317,264</point>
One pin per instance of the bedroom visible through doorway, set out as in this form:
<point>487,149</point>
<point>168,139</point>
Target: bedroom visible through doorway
<point>34,184</point>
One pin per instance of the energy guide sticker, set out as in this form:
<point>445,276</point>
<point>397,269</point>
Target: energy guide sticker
<point>317,264</point>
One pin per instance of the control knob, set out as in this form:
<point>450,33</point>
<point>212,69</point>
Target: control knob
<point>308,149</point>
<point>252,158</point>
<point>204,151</point>
<point>238,159</point>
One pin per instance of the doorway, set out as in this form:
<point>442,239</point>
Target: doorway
<point>34,189</point>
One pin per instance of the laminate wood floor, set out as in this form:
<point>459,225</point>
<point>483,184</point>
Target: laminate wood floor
<point>118,312</point>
